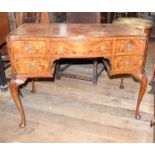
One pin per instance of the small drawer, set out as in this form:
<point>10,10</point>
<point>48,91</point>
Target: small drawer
<point>32,66</point>
<point>85,48</point>
<point>99,45</point>
<point>130,46</point>
<point>67,47</point>
<point>29,47</point>
<point>127,63</point>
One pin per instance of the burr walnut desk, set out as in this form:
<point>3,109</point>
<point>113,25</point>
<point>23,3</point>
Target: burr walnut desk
<point>33,49</point>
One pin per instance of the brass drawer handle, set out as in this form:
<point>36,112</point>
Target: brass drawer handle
<point>32,66</point>
<point>103,48</point>
<point>129,46</point>
<point>127,62</point>
<point>60,49</point>
<point>29,48</point>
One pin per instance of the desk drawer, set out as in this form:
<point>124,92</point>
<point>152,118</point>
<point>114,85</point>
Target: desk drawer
<point>29,47</point>
<point>130,46</point>
<point>99,46</point>
<point>126,64</point>
<point>87,48</point>
<point>66,47</point>
<point>32,66</point>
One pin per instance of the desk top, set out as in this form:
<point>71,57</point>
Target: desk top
<point>75,30</point>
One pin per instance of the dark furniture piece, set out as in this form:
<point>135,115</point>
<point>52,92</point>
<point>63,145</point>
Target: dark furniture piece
<point>3,80</point>
<point>62,65</point>
<point>4,30</point>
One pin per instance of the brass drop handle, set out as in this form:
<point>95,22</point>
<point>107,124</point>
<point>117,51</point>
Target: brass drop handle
<point>129,46</point>
<point>60,49</point>
<point>103,48</point>
<point>29,48</point>
<point>32,66</point>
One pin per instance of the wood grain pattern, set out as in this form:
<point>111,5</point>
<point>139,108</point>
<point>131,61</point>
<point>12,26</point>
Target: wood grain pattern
<point>125,64</point>
<point>127,46</point>
<point>81,48</point>
<point>32,66</point>
<point>38,46</point>
<point>75,31</point>
<point>30,48</point>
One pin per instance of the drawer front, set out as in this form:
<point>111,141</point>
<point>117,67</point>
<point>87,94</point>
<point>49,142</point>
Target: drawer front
<point>66,47</point>
<point>86,48</point>
<point>29,48</point>
<point>32,66</point>
<point>130,46</point>
<point>126,64</point>
<point>99,46</point>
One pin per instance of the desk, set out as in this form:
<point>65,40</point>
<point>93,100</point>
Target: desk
<point>33,49</point>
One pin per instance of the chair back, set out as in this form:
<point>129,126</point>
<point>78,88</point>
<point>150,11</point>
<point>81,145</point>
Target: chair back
<point>83,17</point>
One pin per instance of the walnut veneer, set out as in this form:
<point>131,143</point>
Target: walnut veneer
<point>34,48</point>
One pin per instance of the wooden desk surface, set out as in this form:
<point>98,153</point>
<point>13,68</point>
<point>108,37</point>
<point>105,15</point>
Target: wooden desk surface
<point>76,30</point>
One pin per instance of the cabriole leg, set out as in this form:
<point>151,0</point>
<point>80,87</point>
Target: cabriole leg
<point>143,83</point>
<point>14,89</point>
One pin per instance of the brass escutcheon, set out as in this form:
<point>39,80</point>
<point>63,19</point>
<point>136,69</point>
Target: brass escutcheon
<point>32,66</point>
<point>127,62</point>
<point>29,47</point>
<point>60,49</point>
<point>103,48</point>
<point>129,46</point>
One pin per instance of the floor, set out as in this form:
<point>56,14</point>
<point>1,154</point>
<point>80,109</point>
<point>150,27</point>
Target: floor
<point>70,110</point>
